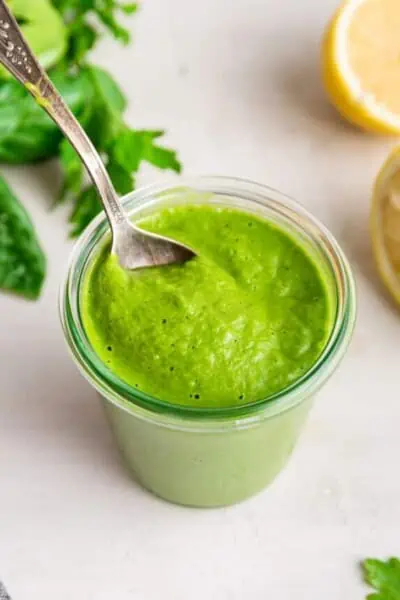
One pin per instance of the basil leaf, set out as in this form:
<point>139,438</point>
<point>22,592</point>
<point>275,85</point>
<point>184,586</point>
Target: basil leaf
<point>27,134</point>
<point>22,262</point>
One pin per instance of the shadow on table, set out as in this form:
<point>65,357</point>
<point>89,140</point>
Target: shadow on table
<point>354,237</point>
<point>294,79</point>
<point>300,83</point>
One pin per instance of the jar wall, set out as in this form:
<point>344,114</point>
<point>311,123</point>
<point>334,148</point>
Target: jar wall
<point>206,468</point>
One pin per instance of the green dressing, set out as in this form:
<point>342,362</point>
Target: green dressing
<point>245,319</point>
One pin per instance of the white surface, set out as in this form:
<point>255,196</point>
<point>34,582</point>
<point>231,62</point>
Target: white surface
<point>236,84</point>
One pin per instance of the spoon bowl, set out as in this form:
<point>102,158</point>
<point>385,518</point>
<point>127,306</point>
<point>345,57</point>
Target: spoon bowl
<point>137,249</point>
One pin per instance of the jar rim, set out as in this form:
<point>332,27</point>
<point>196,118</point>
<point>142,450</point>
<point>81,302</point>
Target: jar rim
<point>133,400</point>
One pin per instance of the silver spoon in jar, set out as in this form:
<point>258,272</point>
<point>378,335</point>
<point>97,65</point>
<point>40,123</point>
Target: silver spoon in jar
<point>134,247</point>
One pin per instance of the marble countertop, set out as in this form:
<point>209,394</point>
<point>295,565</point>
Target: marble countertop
<point>236,85</point>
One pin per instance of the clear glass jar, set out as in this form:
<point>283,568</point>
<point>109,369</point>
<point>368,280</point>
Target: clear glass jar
<point>210,457</point>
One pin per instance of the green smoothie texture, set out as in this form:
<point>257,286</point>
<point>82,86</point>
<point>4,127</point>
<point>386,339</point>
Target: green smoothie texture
<point>243,320</point>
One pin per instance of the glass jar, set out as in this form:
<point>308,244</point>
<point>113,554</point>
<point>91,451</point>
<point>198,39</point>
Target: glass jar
<point>210,457</point>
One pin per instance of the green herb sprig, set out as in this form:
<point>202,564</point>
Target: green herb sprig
<point>384,577</point>
<point>28,135</point>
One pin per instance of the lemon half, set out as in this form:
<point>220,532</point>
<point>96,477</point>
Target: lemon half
<point>361,63</point>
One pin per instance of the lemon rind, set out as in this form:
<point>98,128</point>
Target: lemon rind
<point>381,188</point>
<point>342,85</point>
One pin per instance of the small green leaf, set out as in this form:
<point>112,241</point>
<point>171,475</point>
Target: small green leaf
<point>129,9</point>
<point>107,107</point>
<point>73,170</point>
<point>11,91</point>
<point>154,134</point>
<point>108,91</point>
<point>384,576</point>
<point>127,149</point>
<point>22,262</point>
<point>107,17</point>
<point>163,158</point>
<point>123,181</point>
<point>79,15</point>
<point>87,206</point>
<point>82,42</point>
<point>131,147</point>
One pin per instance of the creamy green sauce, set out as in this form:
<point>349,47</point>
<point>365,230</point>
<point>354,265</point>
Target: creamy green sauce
<point>245,319</point>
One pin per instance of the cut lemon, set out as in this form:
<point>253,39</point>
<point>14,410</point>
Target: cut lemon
<point>361,63</point>
<point>385,223</point>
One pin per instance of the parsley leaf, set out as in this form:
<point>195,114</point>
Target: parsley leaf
<point>131,147</point>
<point>129,9</point>
<point>86,207</point>
<point>107,107</point>
<point>82,38</point>
<point>163,158</point>
<point>384,576</point>
<point>111,96</point>
<point>124,155</point>
<point>123,149</point>
<point>73,170</point>
<point>22,262</point>
<point>82,18</point>
<point>123,180</point>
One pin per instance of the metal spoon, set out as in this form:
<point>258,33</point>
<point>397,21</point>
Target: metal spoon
<point>135,248</point>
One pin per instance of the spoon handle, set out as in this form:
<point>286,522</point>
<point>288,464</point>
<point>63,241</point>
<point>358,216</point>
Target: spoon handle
<point>18,58</point>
